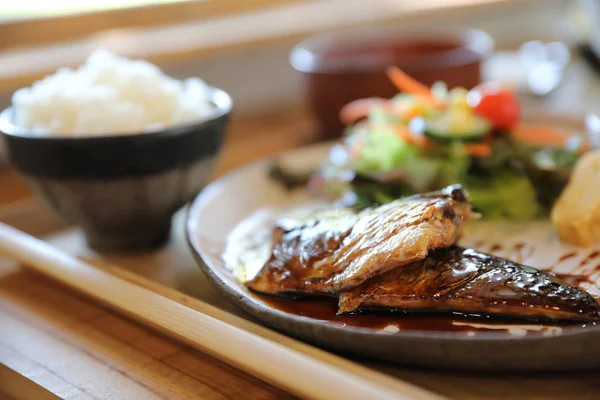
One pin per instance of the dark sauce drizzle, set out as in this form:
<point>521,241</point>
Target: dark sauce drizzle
<point>573,279</point>
<point>581,275</point>
<point>325,308</point>
<point>495,248</point>
<point>565,257</point>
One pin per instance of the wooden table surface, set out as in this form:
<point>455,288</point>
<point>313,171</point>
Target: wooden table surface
<point>55,343</point>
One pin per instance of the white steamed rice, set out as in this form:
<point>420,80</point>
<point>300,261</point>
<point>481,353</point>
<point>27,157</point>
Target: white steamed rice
<point>109,95</point>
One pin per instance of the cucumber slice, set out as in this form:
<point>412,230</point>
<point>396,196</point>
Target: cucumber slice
<point>457,124</point>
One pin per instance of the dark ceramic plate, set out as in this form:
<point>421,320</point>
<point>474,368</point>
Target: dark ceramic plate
<point>477,345</point>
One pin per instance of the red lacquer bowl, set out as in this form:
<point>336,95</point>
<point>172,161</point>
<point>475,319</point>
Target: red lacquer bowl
<point>345,66</point>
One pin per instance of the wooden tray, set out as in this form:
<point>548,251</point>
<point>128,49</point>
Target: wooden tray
<point>47,332</point>
<point>55,342</point>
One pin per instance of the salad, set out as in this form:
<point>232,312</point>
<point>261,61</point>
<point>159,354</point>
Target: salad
<point>427,138</point>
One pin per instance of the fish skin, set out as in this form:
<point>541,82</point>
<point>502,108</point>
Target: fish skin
<point>467,281</point>
<point>339,249</point>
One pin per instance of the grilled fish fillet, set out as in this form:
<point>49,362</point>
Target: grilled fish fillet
<point>466,281</point>
<point>338,250</point>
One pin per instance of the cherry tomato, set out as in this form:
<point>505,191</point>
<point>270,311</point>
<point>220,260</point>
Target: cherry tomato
<point>500,106</point>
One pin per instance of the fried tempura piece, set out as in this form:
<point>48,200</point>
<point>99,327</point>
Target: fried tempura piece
<point>576,214</point>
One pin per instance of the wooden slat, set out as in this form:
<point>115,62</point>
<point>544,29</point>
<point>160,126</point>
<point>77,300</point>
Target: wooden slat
<point>11,189</point>
<point>171,44</point>
<point>88,352</point>
<point>14,386</point>
<point>40,31</point>
<point>30,216</point>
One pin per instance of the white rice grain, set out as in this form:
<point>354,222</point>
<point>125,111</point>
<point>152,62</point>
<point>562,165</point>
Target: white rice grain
<point>109,95</point>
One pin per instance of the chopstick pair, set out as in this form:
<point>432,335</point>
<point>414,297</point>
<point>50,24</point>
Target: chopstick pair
<point>296,367</point>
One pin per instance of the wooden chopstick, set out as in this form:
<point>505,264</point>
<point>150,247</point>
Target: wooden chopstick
<point>215,312</point>
<point>283,363</point>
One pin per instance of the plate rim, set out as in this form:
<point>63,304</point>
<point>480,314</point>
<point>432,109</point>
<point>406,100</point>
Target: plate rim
<point>203,259</point>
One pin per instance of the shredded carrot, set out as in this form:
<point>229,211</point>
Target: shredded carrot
<point>404,133</point>
<point>478,149</point>
<point>421,141</point>
<point>356,148</point>
<point>543,135</point>
<point>540,135</point>
<point>360,108</point>
<point>407,84</point>
<point>411,113</point>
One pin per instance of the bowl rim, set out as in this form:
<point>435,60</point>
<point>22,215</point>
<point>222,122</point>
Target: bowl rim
<point>218,97</point>
<point>306,55</point>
